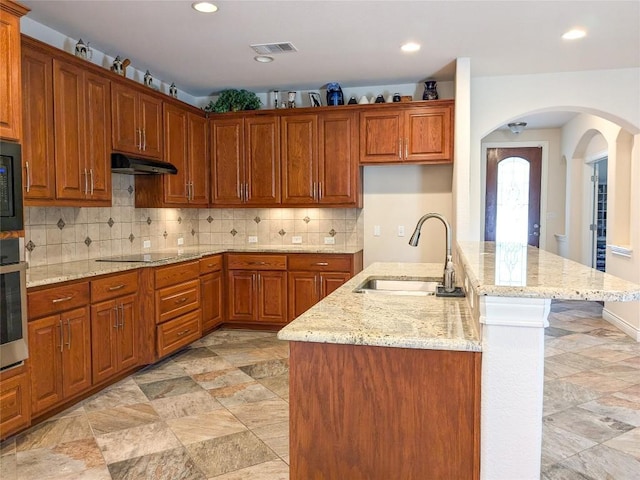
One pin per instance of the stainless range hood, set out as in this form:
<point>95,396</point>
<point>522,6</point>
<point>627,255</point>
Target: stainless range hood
<point>121,163</point>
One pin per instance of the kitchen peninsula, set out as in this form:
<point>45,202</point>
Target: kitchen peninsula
<point>427,387</point>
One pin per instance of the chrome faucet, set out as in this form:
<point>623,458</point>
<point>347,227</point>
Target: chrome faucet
<point>449,277</point>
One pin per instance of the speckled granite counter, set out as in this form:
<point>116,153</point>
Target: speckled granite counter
<point>508,270</point>
<point>429,322</point>
<point>63,272</point>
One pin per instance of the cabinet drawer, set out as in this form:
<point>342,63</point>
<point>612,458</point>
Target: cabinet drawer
<point>177,300</point>
<point>178,333</point>
<point>210,264</point>
<point>57,299</point>
<point>115,286</point>
<point>15,403</point>
<point>321,263</point>
<point>256,262</point>
<point>178,273</point>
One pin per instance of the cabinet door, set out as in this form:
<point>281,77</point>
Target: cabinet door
<point>104,333</point>
<point>97,131</point>
<point>303,292</point>
<point>337,158</point>
<point>198,149</point>
<point>151,124</point>
<point>262,160</point>
<point>37,146</point>
<point>76,356</point>
<point>72,177</point>
<point>211,286</point>
<point>127,346</point>
<point>175,127</point>
<point>10,98</point>
<point>125,132</point>
<point>381,136</point>
<point>428,135</point>
<point>15,401</point>
<point>272,297</point>
<point>299,150</point>
<point>332,281</point>
<point>241,285</point>
<point>45,360</point>
<point>227,160</point>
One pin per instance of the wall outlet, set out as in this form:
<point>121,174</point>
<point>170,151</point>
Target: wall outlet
<point>401,230</point>
<point>329,241</point>
<point>146,244</point>
<point>376,230</point>
<point>180,241</point>
<point>296,239</point>
<point>252,239</point>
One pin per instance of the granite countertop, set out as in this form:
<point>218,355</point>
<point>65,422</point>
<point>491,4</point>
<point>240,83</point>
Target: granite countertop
<point>508,270</point>
<point>428,322</point>
<point>63,272</point>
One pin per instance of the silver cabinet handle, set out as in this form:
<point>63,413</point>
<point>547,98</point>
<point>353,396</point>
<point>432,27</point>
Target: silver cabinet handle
<point>61,336</point>
<point>121,317</point>
<point>144,140</point>
<point>91,174</point>
<point>184,332</point>
<point>188,187</point>
<point>319,190</point>
<point>240,192</point>
<point>246,192</point>
<point>86,182</point>
<point>399,149</point>
<point>182,300</point>
<point>116,287</point>
<point>406,148</point>
<point>139,144</point>
<point>115,325</point>
<point>315,186</point>
<point>322,264</point>
<point>28,175</point>
<point>257,263</point>
<point>69,329</point>
<point>63,299</point>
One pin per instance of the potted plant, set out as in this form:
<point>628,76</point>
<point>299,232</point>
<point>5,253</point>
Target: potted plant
<point>233,100</point>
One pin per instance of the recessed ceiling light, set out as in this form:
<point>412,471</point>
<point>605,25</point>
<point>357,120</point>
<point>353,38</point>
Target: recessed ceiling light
<point>263,59</point>
<point>574,34</point>
<point>410,47</point>
<point>204,7</point>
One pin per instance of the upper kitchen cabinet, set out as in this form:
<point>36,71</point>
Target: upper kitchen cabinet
<point>319,159</point>
<point>10,83</point>
<point>245,158</point>
<point>137,122</point>
<point>407,133</point>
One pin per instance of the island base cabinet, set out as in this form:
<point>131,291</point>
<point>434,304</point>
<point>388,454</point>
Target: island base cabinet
<point>368,413</point>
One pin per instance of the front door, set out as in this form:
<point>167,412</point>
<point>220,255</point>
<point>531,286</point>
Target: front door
<point>512,212</point>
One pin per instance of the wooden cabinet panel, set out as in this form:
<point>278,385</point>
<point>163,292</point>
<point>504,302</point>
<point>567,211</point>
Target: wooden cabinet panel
<point>125,135</point>
<point>262,160</point>
<point>105,288</point>
<point>199,159</point>
<point>320,262</point>
<point>429,134</point>
<point>97,130</point>
<point>178,333</point>
<point>272,297</point>
<point>177,273</point>
<point>175,146</point>
<point>380,136</point>
<point>76,357</point>
<point>241,287</point>
<point>332,281</point>
<point>127,347</point>
<point>304,292</point>
<point>299,157</point>
<point>104,333</point>
<point>152,133</point>
<point>57,299</point>
<point>38,133</point>
<point>227,160</point>
<point>45,359</point>
<point>256,262</point>
<point>10,83</point>
<point>210,264</point>
<point>211,286</point>
<point>176,300</point>
<point>15,400</point>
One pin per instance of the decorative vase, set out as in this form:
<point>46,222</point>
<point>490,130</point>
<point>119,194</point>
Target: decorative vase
<point>430,92</point>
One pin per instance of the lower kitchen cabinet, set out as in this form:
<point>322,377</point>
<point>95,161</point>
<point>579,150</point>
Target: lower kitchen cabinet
<point>211,288</point>
<point>15,401</point>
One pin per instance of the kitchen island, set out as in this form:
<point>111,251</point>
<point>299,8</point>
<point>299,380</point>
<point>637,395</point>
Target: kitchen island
<point>350,366</point>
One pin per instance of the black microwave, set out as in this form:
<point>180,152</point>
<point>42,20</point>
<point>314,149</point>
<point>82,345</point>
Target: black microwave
<point>11,215</point>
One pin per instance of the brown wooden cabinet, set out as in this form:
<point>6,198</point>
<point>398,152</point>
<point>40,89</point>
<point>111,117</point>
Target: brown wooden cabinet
<point>313,276</point>
<point>114,325</point>
<point>10,83</point>
<point>82,134</point>
<point>257,289</point>
<point>407,133</point>
<point>38,132</point>
<point>211,286</point>
<point>15,400</point>
<point>137,122</point>
<point>245,155</point>
<point>299,159</point>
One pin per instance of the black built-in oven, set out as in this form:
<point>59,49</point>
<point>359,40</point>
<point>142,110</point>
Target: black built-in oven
<point>13,305</point>
<point>11,217</point>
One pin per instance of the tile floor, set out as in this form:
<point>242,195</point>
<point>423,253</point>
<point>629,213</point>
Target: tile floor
<point>220,410</point>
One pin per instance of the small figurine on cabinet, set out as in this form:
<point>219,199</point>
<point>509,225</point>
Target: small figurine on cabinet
<point>120,66</point>
<point>291,100</point>
<point>430,90</point>
<point>148,79</point>
<point>173,90</point>
<point>83,51</point>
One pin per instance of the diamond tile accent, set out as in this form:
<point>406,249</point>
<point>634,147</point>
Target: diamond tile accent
<point>306,219</point>
<point>131,237</point>
<point>87,241</point>
<point>257,219</point>
<point>30,246</point>
<point>193,232</point>
<point>179,220</point>
<point>110,222</point>
<point>209,219</point>
<point>332,232</point>
<point>61,224</point>
<point>130,189</point>
<point>148,220</point>
<point>233,232</point>
<point>165,234</point>
<point>282,233</point>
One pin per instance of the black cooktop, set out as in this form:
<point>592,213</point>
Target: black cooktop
<point>138,257</point>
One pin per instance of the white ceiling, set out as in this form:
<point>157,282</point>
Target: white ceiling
<point>355,43</point>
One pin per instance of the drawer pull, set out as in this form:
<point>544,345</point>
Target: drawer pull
<point>184,332</point>
<point>64,299</point>
<point>182,300</point>
<point>116,287</point>
<point>257,263</point>
<point>322,264</point>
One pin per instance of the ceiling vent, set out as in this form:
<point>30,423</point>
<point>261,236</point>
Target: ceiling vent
<point>273,48</point>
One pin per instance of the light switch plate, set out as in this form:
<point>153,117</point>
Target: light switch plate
<point>146,244</point>
<point>376,230</point>
<point>401,230</point>
<point>329,241</point>
<point>253,239</point>
<point>180,241</point>
<point>295,239</point>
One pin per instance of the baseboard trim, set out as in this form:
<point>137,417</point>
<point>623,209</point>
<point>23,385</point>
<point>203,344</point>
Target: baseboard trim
<point>618,322</point>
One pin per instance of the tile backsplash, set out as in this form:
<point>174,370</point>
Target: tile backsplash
<point>64,234</point>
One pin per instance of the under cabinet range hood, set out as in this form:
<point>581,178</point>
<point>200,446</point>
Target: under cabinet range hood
<point>121,163</point>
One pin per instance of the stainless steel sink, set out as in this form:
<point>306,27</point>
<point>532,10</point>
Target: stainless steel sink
<point>399,286</point>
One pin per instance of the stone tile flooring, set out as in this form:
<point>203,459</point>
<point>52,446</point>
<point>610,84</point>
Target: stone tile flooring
<point>219,409</point>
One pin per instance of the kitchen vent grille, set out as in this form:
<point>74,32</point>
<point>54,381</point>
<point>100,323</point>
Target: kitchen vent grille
<point>272,48</point>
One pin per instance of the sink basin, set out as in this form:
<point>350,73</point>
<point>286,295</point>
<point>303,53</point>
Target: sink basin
<point>399,286</point>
